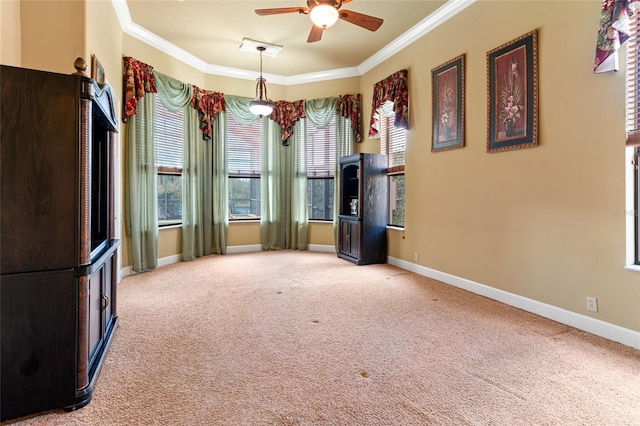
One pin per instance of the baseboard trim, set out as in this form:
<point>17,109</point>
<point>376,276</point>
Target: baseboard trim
<point>258,247</point>
<point>244,249</point>
<point>163,261</point>
<point>169,260</point>
<point>582,322</point>
<point>322,248</point>
<point>126,271</point>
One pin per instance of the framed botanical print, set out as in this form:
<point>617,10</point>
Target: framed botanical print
<point>448,104</point>
<point>512,72</point>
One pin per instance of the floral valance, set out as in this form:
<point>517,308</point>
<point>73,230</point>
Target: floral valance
<point>612,33</point>
<point>286,114</point>
<point>208,104</point>
<point>138,80</point>
<point>349,106</point>
<point>393,88</point>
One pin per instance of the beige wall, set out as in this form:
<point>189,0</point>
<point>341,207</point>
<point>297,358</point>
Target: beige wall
<point>104,40</point>
<point>531,222</point>
<point>10,33</point>
<point>52,44</point>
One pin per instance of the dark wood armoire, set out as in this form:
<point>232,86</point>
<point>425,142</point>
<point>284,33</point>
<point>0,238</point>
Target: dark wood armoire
<point>57,238</point>
<point>364,201</point>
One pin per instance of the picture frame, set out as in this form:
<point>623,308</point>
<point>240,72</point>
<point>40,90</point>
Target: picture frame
<point>97,71</point>
<point>512,99</point>
<point>448,105</point>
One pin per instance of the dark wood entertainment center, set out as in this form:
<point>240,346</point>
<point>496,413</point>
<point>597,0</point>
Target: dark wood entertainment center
<point>58,251</point>
<point>362,218</point>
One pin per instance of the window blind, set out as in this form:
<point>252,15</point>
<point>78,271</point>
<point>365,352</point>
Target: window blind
<point>243,148</point>
<point>321,149</point>
<point>392,140</point>
<point>633,82</point>
<point>168,138</point>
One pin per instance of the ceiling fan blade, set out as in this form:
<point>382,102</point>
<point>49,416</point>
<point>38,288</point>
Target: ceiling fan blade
<point>315,34</point>
<point>278,10</point>
<point>365,21</point>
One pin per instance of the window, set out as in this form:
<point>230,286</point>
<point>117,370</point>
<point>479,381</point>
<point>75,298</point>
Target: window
<point>169,160</point>
<point>243,159</point>
<point>321,162</point>
<point>633,122</point>
<point>392,143</point>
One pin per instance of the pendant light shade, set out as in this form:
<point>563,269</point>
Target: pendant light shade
<point>261,105</point>
<point>324,15</point>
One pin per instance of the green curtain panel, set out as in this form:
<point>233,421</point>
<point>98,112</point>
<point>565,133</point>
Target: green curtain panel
<point>217,199</point>
<point>141,183</point>
<point>204,224</point>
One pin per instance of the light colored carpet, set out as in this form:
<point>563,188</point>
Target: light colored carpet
<point>305,338</point>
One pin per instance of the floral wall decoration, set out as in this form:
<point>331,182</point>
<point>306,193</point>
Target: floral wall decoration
<point>512,71</point>
<point>448,105</point>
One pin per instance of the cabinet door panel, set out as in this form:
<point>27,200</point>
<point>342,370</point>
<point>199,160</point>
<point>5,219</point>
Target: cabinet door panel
<point>350,238</point>
<point>95,313</point>
<point>354,238</point>
<point>38,184</point>
<point>344,237</point>
<point>38,328</point>
<point>107,290</point>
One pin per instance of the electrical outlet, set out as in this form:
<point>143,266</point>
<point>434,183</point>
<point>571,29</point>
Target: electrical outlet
<point>592,304</point>
<point>415,257</point>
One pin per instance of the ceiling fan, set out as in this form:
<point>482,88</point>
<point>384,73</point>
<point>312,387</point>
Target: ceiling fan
<point>325,13</point>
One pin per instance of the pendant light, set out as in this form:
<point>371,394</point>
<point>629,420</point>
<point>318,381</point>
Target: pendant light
<point>261,105</point>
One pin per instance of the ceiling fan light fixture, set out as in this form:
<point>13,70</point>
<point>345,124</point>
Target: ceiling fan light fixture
<point>261,105</point>
<point>324,15</point>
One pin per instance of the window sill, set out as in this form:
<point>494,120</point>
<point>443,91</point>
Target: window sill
<point>632,268</point>
<point>170,226</point>
<point>394,227</point>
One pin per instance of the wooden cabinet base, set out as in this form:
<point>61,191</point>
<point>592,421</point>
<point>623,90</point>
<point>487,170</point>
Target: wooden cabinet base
<point>42,356</point>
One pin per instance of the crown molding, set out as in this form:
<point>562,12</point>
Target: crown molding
<point>438,17</point>
<point>441,15</point>
<point>322,76</point>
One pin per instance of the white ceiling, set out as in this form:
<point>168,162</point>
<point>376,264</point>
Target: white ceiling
<point>207,34</point>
